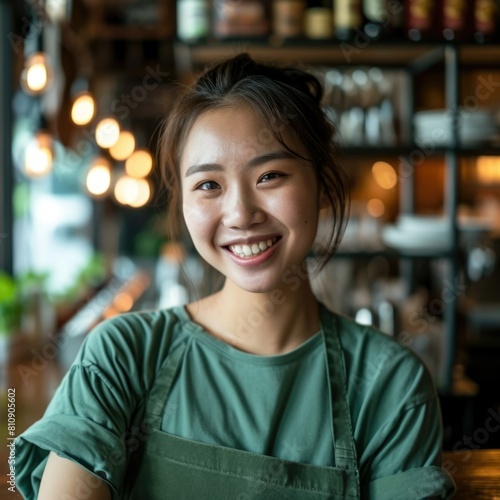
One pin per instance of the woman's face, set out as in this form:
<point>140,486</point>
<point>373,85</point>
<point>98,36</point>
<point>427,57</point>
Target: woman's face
<point>250,206</point>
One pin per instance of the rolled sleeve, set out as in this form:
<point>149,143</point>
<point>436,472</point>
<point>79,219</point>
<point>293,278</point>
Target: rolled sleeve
<point>95,417</point>
<point>84,423</point>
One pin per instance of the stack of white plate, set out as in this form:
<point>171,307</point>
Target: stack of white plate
<point>475,127</point>
<point>426,234</point>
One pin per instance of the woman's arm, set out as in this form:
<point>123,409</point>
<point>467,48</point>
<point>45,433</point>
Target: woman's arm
<point>63,478</point>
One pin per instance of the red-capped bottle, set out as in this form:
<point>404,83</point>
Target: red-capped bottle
<point>456,19</point>
<point>422,19</point>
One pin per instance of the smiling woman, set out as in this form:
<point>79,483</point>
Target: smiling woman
<point>257,391</point>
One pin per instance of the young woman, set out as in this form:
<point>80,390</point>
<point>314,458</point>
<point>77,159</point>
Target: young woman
<point>257,391</point>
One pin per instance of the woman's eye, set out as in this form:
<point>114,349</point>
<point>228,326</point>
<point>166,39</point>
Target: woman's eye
<point>269,177</point>
<point>207,186</point>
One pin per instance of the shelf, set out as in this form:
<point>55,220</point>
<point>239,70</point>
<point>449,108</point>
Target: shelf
<point>335,52</point>
<point>405,150</point>
<point>391,254</point>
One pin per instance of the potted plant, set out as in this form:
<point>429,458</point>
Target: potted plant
<point>10,314</point>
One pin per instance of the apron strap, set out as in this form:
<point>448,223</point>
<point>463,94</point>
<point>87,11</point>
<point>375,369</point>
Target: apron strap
<point>161,386</point>
<point>345,449</point>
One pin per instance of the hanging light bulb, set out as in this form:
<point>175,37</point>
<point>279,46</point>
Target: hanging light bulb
<point>143,194</point>
<point>139,164</point>
<point>39,156</point>
<point>125,190</point>
<point>37,74</point>
<point>83,108</point>
<point>132,191</point>
<point>107,133</point>
<point>124,147</point>
<point>99,177</point>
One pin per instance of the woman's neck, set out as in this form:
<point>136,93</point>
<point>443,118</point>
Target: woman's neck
<point>267,324</point>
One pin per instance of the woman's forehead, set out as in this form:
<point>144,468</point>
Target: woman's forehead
<point>237,131</point>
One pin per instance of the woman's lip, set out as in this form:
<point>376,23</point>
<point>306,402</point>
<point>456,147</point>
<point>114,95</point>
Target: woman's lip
<point>255,260</point>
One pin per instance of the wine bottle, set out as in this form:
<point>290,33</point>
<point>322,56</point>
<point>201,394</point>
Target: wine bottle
<point>347,18</point>
<point>376,17</point>
<point>455,16</point>
<point>486,20</point>
<point>421,19</point>
<point>288,18</point>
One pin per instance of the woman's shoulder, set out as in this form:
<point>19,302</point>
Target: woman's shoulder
<point>375,360</point>
<point>137,340</point>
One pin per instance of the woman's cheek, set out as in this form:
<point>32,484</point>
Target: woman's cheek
<point>198,220</point>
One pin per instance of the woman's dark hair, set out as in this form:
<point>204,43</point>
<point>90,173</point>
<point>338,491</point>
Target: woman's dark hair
<point>288,101</point>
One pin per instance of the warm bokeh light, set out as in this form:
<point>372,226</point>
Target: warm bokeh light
<point>384,174</point>
<point>39,156</point>
<point>83,109</point>
<point>99,177</point>
<point>107,132</point>
<point>37,74</point>
<point>132,191</point>
<point>375,207</point>
<point>125,190</point>
<point>143,193</point>
<point>124,147</point>
<point>488,169</point>
<point>123,302</point>
<point>139,164</point>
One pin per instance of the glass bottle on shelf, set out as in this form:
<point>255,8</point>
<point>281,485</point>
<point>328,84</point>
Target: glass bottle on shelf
<point>193,20</point>
<point>318,21</point>
<point>486,20</point>
<point>240,18</point>
<point>455,14</point>
<point>383,18</point>
<point>288,18</point>
<point>347,18</point>
<point>420,19</point>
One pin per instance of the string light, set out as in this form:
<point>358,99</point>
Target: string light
<point>132,191</point>
<point>83,108</point>
<point>107,133</point>
<point>139,164</point>
<point>124,147</point>
<point>36,76</point>
<point>39,156</point>
<point>99,177</point>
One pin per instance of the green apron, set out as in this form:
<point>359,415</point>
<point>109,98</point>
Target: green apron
<point>172,467</point>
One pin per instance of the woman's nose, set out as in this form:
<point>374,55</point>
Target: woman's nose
<point>241,211</point>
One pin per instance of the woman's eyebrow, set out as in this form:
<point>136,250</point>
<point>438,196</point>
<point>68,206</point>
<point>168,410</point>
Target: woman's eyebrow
<point>203,167</point>
<point>254,162</point>
<point>274,155</point>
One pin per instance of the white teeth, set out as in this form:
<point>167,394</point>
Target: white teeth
<point>254,249</point>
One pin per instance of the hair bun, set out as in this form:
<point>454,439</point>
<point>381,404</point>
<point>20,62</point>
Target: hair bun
<point>224,75</point>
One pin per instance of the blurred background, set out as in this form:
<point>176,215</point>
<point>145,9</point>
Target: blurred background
<point>414,89</point>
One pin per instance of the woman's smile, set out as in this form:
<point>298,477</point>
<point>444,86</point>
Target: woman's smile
<point>250,205</point>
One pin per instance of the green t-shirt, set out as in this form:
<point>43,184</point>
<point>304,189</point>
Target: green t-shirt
<point>273,405</point>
